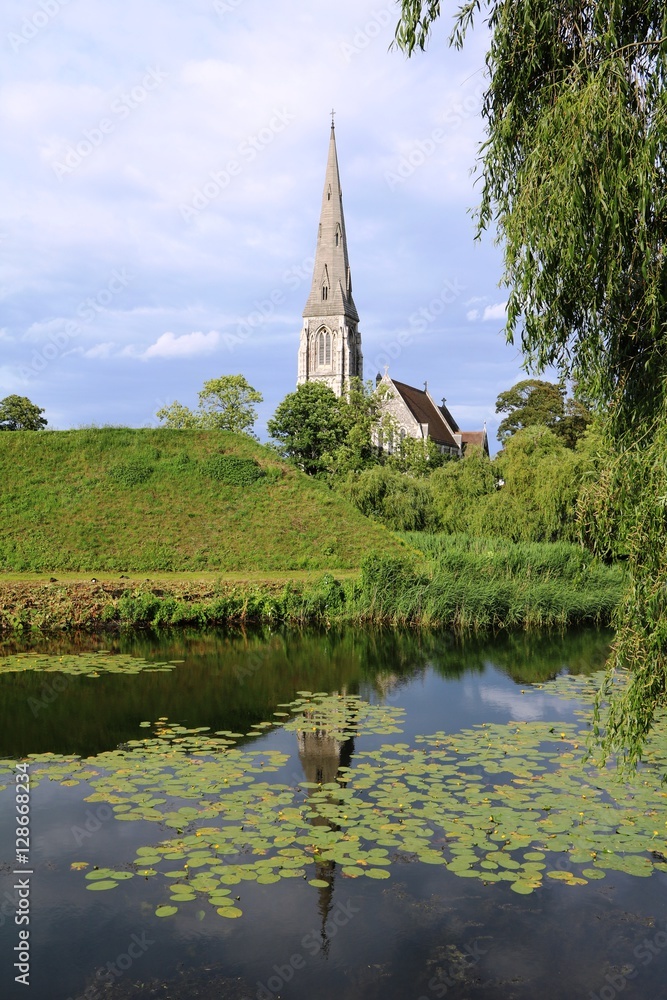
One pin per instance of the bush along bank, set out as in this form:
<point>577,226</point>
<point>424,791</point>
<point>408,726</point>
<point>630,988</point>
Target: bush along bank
<point>389,590</point>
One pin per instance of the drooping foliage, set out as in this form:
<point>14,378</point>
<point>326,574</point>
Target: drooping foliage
<point>574,178</point>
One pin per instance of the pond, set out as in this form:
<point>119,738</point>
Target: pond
<point>353,814</point>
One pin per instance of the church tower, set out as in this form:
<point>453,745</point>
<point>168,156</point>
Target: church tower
<point>330,348</point>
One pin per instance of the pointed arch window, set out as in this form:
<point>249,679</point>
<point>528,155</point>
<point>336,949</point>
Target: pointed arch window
<point>325,293</point>
<point>324,348</point>
<point>338,236</point>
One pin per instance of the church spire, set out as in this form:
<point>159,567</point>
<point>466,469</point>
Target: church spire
<point>331,291</point>
<point>330,346</point>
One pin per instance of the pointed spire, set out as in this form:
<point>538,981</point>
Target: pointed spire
<point>331,291</point>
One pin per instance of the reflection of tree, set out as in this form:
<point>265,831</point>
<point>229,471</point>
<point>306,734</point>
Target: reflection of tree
<point>323,751</point>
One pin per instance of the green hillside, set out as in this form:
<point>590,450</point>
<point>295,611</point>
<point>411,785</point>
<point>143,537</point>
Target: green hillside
<point>121,500</point>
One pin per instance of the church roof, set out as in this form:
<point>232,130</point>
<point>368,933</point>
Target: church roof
<point>475,439</point>
<point>425,411</point>
<point>331,291</point>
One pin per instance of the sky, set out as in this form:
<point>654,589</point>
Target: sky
<point>161,175</point>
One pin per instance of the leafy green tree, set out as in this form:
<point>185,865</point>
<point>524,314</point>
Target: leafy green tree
<point>17,413</point>
<point>417,457</point>
<point>309,426</point>
<point>225,403</point>
<point>574,179</point>
<point>575,423</point>
<point>177,417</point>
<point>327,434</point>
<point>530,402</point>
<point>228,404</point>
<point>363,418</point>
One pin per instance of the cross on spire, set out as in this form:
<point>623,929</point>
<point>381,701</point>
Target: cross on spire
<point>333,116</point>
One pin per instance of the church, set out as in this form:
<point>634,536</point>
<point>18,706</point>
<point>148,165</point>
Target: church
<point>330,345</point>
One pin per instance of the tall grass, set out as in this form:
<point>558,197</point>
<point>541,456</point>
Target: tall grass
<point>467,587</point>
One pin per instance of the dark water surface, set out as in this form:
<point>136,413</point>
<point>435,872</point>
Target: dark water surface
<point>422,933</point>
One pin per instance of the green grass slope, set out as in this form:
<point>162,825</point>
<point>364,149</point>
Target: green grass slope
<point>122,500</point>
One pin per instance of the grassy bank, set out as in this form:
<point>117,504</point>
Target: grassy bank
<point>115,500</point>
<point>463,584</point>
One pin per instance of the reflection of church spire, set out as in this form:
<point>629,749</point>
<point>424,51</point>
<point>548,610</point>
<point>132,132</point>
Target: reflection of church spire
<point>322,754</point>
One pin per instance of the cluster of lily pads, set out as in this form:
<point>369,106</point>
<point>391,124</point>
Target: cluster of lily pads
<point>83,664</point>
<point>494,802</point>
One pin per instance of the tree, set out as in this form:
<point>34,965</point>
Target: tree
<point>533,402</point>
<point>529,402</point>
<point>308,425</point>
<point>225,404</point>
<point>177,417</point>
<point>17,413</point>
<point>328,434</point>
<point>416,456</point>
<point>574,172</point>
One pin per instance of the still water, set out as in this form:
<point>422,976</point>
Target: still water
<point>216,802</point>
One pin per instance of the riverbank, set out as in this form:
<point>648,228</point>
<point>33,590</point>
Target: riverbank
<point>462,584</point>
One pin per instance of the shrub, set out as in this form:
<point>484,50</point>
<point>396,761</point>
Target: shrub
<point>394,498</point>
<point>131,473</point>
<point>232,470</point>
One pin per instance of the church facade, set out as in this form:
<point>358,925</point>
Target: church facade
<point>330,344</point>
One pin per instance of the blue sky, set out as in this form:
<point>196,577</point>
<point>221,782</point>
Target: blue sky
<point>162,170</point>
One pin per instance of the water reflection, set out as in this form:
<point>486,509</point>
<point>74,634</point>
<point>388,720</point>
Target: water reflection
<point>239,678</point>
<point>322,753</point>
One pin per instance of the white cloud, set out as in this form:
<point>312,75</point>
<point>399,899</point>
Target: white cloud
<point>496,311</point>
<point>472,314</point>
<point>100,351</point>
<point>118,210</point>
<point>186,346</point>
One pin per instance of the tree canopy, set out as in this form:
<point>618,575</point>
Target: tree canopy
<point>325,433</point>
<point>225,403</point>
<point>574,172</point>
<point>17,413</point>
<point>533,401</point>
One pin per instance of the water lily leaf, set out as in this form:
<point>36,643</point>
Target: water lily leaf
<point>102,885</point>
<point>166,911</point>
<point>523,888</point>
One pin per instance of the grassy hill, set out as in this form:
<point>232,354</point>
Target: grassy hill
<point>120,500</point>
